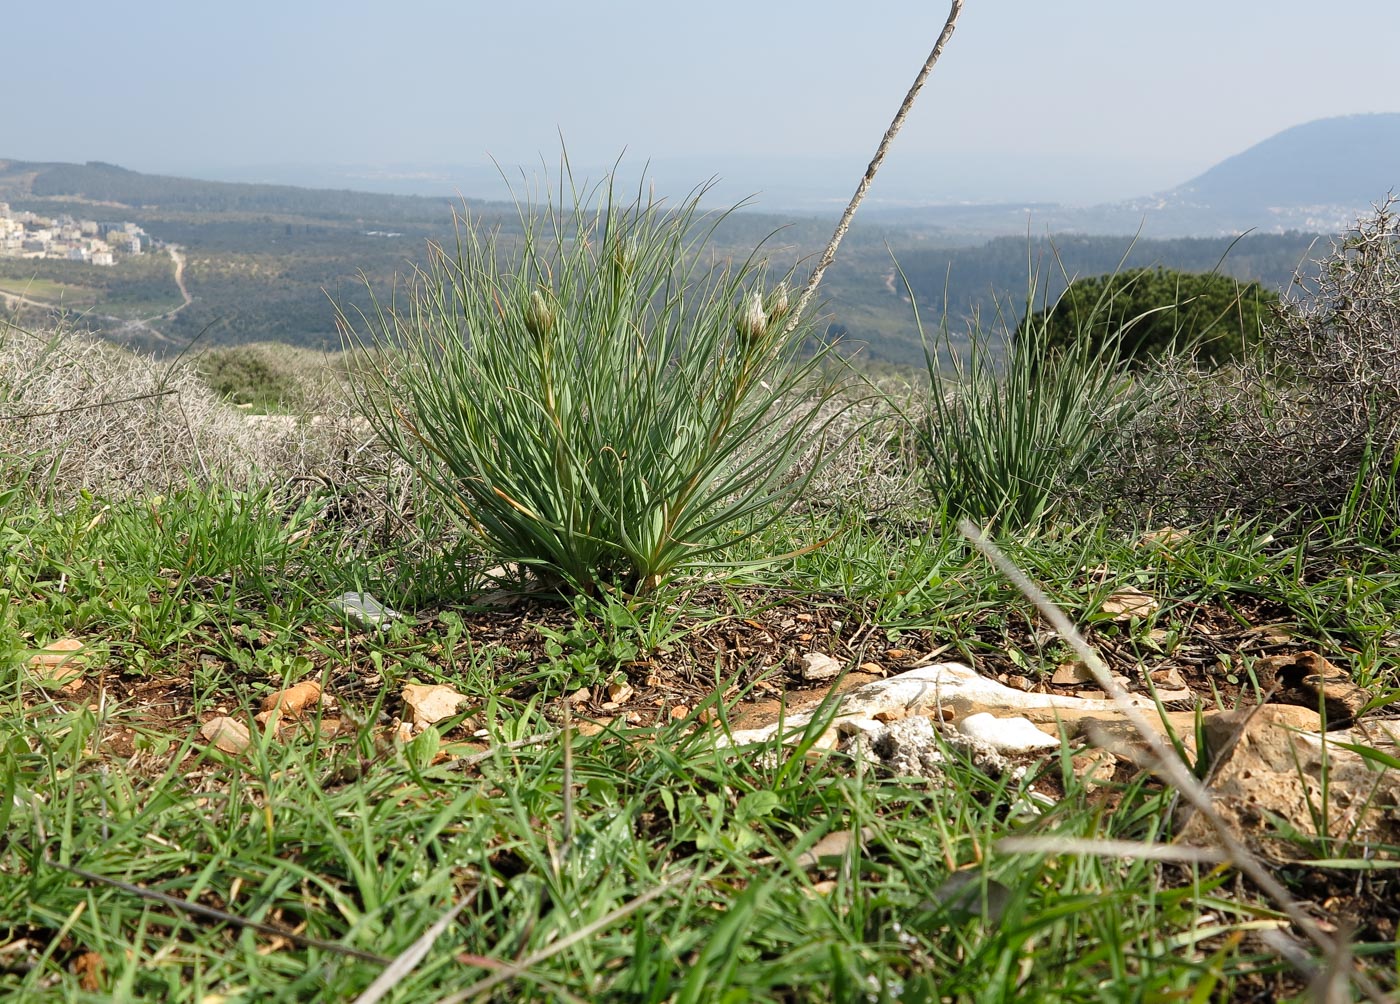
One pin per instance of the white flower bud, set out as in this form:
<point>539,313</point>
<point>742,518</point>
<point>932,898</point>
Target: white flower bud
<point>778,303</point>
<point>754,321</point>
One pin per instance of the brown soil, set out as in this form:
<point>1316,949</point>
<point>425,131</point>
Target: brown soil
<point>756,656</point>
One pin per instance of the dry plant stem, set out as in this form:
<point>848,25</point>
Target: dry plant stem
<point>510,972</point>
<point>568,792</point>
<point>408,960</point>
<point>86,407</point>
<point>515,744</point>
<point>897,123</point>
<point>200,910</point>
<point>1111,849</point>
<point>1168,764</point>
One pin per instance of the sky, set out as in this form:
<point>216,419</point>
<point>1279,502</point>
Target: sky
<point>1075,100</point>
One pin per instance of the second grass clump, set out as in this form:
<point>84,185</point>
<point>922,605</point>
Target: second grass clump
<point>598,394</point>
<point>1015,425</point>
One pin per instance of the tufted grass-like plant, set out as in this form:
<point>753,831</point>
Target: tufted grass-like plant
<point>601,395</point>
<point>1015,425</point>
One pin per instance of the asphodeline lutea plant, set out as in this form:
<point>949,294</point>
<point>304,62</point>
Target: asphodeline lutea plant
<point>601,395</point>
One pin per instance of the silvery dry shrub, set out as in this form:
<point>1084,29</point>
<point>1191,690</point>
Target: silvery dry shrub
<point>1307,428</point>
<point>598,396</point>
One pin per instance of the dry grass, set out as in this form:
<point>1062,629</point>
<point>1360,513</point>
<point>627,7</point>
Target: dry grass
<point>84,414</point>
<point>1306,428</point>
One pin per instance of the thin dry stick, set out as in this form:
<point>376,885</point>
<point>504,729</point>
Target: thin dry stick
<point>515,744</point>
<point>200,910</point>
<point>1133,849</point>
<point>510,972</point>
<point>1168,763</point>
<point>568,837</point>
<point>409,958</point>
<point>897,123</point>
<point>163,392</point>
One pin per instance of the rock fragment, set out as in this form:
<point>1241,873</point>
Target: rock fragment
<point>226,734</point>
<point>817,667</point>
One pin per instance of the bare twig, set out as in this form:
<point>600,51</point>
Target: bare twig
<point>829,255</point>
<point>515,744</point>
<point>409,958</point>
<point>74,409</point>
<point>568,793</point>
<point>200,910</point>
<point>1132,849</point>
<point>510,972</point>
<point>1168,763</point>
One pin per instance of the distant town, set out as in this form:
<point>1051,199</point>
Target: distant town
<point>27,235</point>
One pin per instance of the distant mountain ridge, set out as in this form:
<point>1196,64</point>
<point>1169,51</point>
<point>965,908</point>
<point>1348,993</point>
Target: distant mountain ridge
<point>108,184</point>
<point>1351,160</point>
<point>1319,177</point>
<point>265,261</point>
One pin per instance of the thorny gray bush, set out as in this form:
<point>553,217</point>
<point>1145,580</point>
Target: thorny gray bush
<point>1307,428</point>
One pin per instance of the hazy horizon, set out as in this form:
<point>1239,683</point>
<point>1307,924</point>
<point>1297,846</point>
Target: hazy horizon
<point>1079,103</point>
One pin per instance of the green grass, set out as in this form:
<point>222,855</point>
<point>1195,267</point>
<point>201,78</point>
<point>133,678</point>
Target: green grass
<point>49,291</point>
<point>643,859</point>
<point>602,400</point>
<point>686,857</point>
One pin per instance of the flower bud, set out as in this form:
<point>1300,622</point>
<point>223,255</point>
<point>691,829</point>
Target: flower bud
<point>777,303</point>
<point>753,322</point>
<point>539,315</point>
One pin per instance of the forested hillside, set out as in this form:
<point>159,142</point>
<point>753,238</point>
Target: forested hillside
<point>270,262</point>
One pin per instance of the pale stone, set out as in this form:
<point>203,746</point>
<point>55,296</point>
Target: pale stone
<point>1270,769</point>
<point>947,691</point>
<point>226,734</point>
<point>1069,673</point>
<point>817,667</point>
<point>62,652</point>
<point>1006,735</point>
<point>365,608</point>
<point>1127,603</point>
<point>431,703</point>
<point>1168,681</point>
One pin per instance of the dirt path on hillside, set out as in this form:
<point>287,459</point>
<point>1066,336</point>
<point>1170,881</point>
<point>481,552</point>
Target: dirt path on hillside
<point>123,327</point>
<point>179,260</point>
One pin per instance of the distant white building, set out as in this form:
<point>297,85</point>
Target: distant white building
<point>102,258</point>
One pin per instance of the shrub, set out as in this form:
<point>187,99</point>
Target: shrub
<point>263,376</point>
<point>78,413</point>
<point>597,399</point>
<point>1305,428</point>
<point>1153,311</point>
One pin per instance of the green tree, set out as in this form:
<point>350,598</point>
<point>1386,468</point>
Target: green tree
<point>1153,309</point>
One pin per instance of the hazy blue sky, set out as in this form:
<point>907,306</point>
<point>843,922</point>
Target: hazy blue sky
<point>1036,99</point>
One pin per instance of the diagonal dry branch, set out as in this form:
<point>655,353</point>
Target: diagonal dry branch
<point>221,916</point>
<point>829,255</point>
<point>1170,766</point>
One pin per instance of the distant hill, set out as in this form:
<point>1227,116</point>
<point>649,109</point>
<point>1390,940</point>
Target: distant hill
<point>1349,161</point>
<point>269,262</point>
<point>117,187</point>
<point>1318,177</point>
